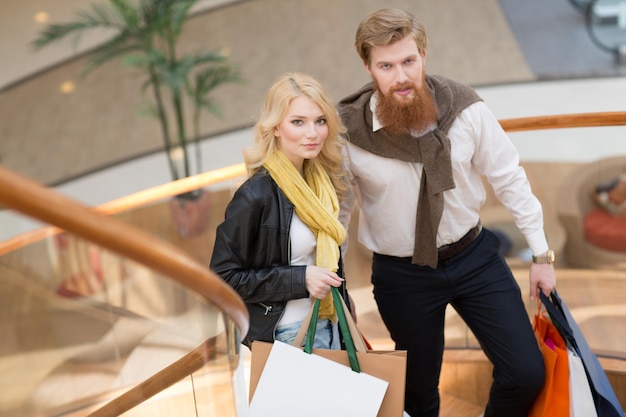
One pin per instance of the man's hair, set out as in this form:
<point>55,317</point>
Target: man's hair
<point>386,26</point>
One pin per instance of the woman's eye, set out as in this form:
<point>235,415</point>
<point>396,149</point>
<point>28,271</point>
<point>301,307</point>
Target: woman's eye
<point>297,122</point>
<point>321,121</point>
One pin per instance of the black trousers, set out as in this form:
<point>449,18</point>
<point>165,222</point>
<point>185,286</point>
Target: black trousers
<point>479,285</point>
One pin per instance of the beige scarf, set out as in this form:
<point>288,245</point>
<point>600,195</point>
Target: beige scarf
<point>316,204</point>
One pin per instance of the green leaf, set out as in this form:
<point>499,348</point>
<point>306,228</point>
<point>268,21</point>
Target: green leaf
<point>144,36</point>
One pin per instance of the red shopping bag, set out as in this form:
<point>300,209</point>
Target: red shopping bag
<point>554,398</point>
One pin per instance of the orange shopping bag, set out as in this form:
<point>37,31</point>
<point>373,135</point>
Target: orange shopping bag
<point>553,400</point>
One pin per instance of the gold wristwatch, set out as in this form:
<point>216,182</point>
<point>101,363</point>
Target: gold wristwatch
<point>548,258</point>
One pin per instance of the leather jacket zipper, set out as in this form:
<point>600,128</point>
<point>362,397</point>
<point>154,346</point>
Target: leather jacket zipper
<point>268,308</point>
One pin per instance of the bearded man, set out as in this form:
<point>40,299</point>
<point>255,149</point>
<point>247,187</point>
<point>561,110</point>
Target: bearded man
<point>418,147</point>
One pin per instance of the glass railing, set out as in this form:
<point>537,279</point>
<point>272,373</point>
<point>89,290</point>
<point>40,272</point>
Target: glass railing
<point>108,319</point>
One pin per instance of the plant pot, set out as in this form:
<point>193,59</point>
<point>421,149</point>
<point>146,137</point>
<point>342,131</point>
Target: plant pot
<point>191,213</point>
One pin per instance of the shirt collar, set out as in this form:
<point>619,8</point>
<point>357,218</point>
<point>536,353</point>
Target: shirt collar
<point>376,124</point>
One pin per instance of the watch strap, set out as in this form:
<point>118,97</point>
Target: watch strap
<point>548,258</point>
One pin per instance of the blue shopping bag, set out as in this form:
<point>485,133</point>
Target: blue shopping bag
<point>606,402</point>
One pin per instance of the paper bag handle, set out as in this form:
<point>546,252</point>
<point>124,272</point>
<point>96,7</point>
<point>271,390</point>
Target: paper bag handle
<point>552,305</point>
<point>351,336</point>
<point>357,337</point>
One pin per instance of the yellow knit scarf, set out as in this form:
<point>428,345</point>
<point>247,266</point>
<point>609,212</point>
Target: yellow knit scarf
<point>316,204</point>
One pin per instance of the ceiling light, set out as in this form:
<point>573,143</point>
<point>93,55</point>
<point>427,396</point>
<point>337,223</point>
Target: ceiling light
<point>176,153</point>
<point>41,17</point>
<point>67,87</point>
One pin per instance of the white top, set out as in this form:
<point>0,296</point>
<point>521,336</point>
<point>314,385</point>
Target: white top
<point>303,247</point>
<point>387,189</point>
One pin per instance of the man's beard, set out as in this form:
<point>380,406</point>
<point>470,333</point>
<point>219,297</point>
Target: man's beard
<point>415,114</point>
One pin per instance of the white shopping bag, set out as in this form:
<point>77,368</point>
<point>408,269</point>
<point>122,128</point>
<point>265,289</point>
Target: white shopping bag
<point>295,383</point>
<point>580,396</point>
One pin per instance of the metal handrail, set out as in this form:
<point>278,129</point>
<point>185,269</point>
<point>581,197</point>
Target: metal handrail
<point>589,15</point>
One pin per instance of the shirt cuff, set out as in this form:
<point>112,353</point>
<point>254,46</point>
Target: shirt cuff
<point>537,242</point>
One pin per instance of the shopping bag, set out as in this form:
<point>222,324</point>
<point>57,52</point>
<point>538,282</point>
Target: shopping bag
<point>554,398</point>
<point>389,366</point>
<point>581,398</point>
<point>606,402</point>
<point>295,383</point>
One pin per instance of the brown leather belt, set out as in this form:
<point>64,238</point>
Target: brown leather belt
<point>446,251</point>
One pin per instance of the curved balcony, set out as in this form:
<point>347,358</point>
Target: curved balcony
<point>113,312</point>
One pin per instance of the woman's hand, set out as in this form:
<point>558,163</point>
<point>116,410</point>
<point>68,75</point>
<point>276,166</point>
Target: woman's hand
<point>319,280</point>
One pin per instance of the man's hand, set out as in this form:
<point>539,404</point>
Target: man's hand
<point>542,278</point>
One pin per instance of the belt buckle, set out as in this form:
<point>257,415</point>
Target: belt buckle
<point>444,247</point>
<point>463,242</point>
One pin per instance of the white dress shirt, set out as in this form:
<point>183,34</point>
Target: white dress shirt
<point>387,189</point>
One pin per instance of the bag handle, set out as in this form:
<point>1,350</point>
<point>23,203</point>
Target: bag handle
<point>555,311</point>
<point>357,337</point>
<point>352,338</point>
<point>537,315</point>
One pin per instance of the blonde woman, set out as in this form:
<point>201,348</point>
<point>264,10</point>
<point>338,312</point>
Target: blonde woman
<point>278,246</point>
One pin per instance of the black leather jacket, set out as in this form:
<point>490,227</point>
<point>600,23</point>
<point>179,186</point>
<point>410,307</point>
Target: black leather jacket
<point>252,254</point>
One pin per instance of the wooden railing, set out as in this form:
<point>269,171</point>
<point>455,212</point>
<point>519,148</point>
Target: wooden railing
<point>558,121</point>
<point>135,200</point>
<point>158,382</point>
<point>561,121</point>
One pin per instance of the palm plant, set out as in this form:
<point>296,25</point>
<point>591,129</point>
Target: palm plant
<point>145,37</point>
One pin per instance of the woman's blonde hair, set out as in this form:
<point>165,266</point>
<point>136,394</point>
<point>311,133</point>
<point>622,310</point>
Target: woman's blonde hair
<point>386,26</point>
<point>274,110</point>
